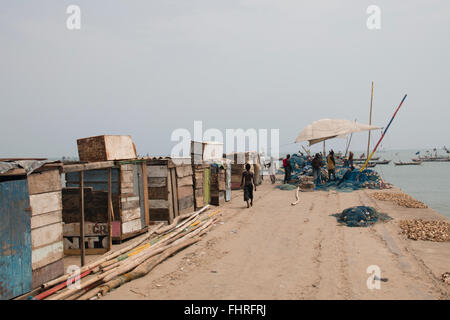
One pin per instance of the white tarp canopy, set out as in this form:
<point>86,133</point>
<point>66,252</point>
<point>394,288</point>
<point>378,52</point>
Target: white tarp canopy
<point>325,129</point>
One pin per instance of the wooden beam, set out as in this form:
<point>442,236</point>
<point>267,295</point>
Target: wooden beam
<point>88,166</point>
<point>145,186</point>
<point>82,217</point>
<point>109,209</point>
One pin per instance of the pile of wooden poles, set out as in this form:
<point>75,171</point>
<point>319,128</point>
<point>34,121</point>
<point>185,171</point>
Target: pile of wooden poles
<point>131,262</point>
<point>401,199</point>
<point>437,231</point>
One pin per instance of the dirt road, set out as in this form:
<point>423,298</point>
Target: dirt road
<point>278,251</point>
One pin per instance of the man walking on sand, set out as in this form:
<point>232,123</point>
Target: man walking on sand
<point>248,182</point>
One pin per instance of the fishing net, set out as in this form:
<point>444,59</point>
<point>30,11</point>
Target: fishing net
<point>360,216</point>
<point>348,181</point>
<point>287,186</point>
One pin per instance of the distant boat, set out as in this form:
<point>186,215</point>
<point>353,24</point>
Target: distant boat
<point>432,159</point>
<point>364,159</point>
<point>382,162</point>
<point>412,163</point>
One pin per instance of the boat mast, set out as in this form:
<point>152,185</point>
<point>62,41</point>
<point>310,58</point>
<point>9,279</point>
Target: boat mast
<point>370,122</point>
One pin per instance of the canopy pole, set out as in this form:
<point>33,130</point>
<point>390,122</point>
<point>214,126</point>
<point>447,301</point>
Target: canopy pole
<point>370,120</point>
<point>324,148</point>
<point>382,136</point>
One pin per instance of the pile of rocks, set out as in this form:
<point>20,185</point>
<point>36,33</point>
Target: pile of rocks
<point>437,231</point>
<point>401,199</point>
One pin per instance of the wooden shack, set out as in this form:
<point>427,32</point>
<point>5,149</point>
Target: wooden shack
<point>31,232</point>
<point>128,202</point>
<point>239,160</point>
<point>200,175</point>
<point>218,184</point>
<point>170,188</point>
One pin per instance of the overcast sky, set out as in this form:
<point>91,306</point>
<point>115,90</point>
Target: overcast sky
<point>145,68</point>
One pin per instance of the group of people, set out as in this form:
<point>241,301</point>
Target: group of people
<point>248,182</point>
<point>316,164</point>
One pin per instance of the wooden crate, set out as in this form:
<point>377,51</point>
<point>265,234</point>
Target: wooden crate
<point>106,147</point>
<point>170,189</point>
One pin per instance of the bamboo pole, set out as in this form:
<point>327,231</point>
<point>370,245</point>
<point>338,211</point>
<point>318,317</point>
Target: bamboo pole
<point>163,240</point>
<point>82,244</point>
<point>140,271</point>
<point>382,136</point>
<point>107,256</point>
<point>110,208</point>
<point>370,121</point>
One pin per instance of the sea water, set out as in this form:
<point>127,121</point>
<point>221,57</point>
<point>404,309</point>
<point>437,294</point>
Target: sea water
<point>428,182</point>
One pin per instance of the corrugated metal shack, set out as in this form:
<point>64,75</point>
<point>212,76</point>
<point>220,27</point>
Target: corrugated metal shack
<point>170,188</point>
<point>31,232</point>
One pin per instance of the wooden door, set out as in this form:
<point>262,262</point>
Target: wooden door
<point>15,239</point>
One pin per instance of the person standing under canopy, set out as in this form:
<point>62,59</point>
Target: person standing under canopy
<point>316,164</point>
<point>331,165</point>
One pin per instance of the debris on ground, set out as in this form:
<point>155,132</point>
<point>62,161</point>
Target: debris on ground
<point>434,230</point>
<point>287,186</point>
<point>401,199</point>
<point>360,216</point>
<point>445,277</point>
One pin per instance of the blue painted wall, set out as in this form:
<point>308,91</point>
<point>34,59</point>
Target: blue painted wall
<point>15,239</point>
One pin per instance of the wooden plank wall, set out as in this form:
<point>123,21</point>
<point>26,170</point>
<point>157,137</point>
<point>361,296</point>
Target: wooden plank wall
<point>185,188</point>
<point>46,222</point>
<point>130,210</point>
<point>198,178</point>
<point>217,188</point>
<point>160,208</point>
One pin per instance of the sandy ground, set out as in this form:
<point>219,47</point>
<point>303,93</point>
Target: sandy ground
<point>278,251</point>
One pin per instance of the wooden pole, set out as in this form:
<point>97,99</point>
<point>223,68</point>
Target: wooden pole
<point>82,218</point>
<point>324,148</point>
<point>382,136</point>
<point>370,122</point>
<point>109,210</point>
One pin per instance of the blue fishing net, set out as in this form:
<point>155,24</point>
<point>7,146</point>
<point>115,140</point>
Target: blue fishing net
<point>348,180</point>
<point>360,216</point>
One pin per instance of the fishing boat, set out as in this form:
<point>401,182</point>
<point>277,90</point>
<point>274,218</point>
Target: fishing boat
<point>411,163</point>
<point>432,159</point>
<point>364,159</point>
<point>383,162</point>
